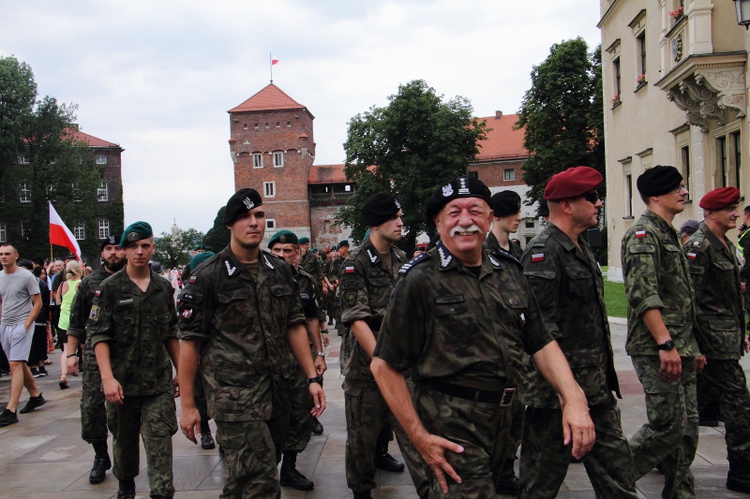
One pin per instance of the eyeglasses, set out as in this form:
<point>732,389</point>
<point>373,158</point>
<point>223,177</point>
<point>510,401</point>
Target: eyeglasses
<point>592,197</point>
<point>679,188</point>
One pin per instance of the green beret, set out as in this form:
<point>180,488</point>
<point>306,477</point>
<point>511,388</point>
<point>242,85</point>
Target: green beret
<point>283,236</point>
<point>202,247</point>
<point>199,258</point>
<point>135,232</point>
<point>314,250</point>
<point>304,240</point>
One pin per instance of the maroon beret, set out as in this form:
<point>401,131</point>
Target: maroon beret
<point>571,183</point>
<point>720,198</point>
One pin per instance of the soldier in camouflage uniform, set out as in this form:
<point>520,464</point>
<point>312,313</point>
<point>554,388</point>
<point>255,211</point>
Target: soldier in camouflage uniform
<point>661,340</point>
<point>744,245</point>
<point>366,282</point>
<point>93,408</point>
<point>459,320</point>
<point>568,285</point>
<point>332,276</point>
<point>335,273</point>
<point>506,216</point>
<point>284,244</point>
<point>133,328</point>
<point>240,314</point>
<point>720,331</point>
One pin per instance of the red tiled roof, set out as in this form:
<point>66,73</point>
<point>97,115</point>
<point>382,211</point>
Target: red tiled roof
<point>268,99</point>
<point>503,142</point>
<point>90,139</point>
<point>326,174</point>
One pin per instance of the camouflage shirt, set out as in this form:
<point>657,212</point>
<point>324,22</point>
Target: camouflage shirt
<point>491,244</point>
<point>715,272</point>
<point>366,285</point>
<point>243,324</point>
<point>569,287</point>
<point>80,310</point>
<point>137,326</point>
<point>656,276</point>
<point>744,243</point>
<point>311,264</point>
<point>334,270</point>
<point>445,322</point>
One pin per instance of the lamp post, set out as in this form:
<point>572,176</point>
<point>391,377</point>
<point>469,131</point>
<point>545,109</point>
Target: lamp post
<point>743,12</point>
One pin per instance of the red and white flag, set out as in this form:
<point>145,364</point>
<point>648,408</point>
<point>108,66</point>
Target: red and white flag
<point>274,61</point>
<point>59,234</point>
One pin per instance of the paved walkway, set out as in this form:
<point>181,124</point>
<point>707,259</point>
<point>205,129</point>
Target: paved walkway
<point>44,457</point>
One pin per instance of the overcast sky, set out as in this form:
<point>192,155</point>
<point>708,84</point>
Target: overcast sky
<point>158,76</point>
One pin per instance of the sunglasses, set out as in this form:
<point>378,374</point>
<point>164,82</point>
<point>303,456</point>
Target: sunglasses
<point>592,197</point>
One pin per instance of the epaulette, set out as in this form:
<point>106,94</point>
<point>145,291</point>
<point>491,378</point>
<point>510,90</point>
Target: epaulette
<point>411,263</point>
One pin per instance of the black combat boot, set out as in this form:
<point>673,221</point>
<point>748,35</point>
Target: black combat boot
<point>362,495</point>
<point>101,462</point>
<point>289,475</point>
<point>317,428</point>
<point>126,489</point>
<point>738,478</point>
<point>385,461</point>
<point>508,481</point>
<point>207,441</point>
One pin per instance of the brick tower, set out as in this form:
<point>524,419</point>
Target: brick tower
<point>272,147</point>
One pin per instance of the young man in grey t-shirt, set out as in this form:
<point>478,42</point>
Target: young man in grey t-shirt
<point>21,303</point>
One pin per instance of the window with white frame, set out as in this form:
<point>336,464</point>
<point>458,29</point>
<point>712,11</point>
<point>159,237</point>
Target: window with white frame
<point>25,230</point>
<point>269,189</point>
<point>3,232</point>
<point>258,160</point>
<point>23,159</point>
<point>509,174</point>
<point>101,160</point>
<point>103,228</point>
<point>79,231</point>
<point>102,192</point>
<point>278,159</point>
<point>729,158</point>
<point>24,192</point>
<point>270,223</point>
<point>628,195</point>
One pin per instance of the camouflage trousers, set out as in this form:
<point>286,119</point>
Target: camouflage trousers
<point>93,403</point>
<point>153,418</point>
<point>723,381</point>
<point>300,420</point>
<point>250,454</point>
<point>366,414</point>
<point>516,428</point>
<point>483,431</point>
<point>545,460</point>
<point>671,435</point>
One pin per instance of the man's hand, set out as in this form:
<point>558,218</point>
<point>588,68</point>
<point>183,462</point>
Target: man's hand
<point>320,365</point>
<point>72,364</point>
<point>671,364</point>
<point>700,363</point>
<point>325,339</point>
<point>176,383</point>
<point>747,344</point>
<point>432,448</point>
<point>190,419</point>
<point>113,391</point>
<point>578,427</point>
<point>319,399</point>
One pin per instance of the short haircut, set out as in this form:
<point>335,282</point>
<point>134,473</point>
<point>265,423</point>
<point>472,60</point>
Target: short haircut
<point>747,210</point>
<point>15,248</point>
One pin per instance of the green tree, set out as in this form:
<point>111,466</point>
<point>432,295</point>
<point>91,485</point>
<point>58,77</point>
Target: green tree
<point>17,97</point>
<point>218,236</point>
<point>174,251</point>
<point>563,115</point>
<point>408,148</point>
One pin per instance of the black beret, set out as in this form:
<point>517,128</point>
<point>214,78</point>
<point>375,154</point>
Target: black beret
<point>505,203</point>
<point>379,209</point>
<point>658,180</point>
<point>243,201</point>
<point>459,187</point>
<point>283,236</point>
<point>135,232</point>
<point>113,240</point>
<point>345,242</point>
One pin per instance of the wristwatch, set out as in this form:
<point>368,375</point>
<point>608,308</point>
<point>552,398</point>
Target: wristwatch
<point>321,354</point>
<point>316,379</point>
<point>667,345</point>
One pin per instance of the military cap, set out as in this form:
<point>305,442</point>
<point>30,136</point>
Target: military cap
<point>379,209</point>
<point>283,236</point>
<point>459,187</point>
<point>658,180</point>
<point>505,203</point>
<point>720,198</point>
<point>199,258</point>
<point>689,227</point>
<point>333,248</point>
<point>344,243</point>
<point>202,247</point>
<point>241,202</point>
<point>135,232</point>
<point>571,183</point>
<point>113,239</point>
<point>304,240</point>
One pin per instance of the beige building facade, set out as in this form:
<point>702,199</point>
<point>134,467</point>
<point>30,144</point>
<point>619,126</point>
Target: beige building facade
<point>675,92</point>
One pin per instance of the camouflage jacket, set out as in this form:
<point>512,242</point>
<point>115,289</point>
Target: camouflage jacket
<point>311,264</point>
<point>365,287</point>
<point>307,294</point>
<point>569,287</point>
<point>243,324</point>
<point>334,270</point>
<point>656,276</point>
<point>492,245</point>
<point>444,322</point>
<point>137,326</point>
<point>79,314</point>
<point>716,280</point>
<point>744,243</point>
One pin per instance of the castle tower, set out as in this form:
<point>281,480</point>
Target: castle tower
<point>272,147</point>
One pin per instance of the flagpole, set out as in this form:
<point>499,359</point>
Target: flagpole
<point>270,64</point>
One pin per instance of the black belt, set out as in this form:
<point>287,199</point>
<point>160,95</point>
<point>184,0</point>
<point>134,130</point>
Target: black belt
<point>502,398</point>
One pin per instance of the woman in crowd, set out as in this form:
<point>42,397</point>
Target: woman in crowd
<point>65,295</point>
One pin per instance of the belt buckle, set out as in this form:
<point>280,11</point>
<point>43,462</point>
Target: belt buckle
<point>507,397</point>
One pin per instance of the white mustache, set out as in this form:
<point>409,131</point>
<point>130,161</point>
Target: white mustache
<point>470,228</point>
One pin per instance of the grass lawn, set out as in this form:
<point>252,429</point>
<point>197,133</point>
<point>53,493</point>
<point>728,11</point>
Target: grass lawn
<point>614,298</point>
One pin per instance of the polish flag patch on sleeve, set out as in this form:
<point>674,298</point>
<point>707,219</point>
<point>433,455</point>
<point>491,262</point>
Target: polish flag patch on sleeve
<point>692,256</point>
<point>349,270</point>
<point>640,234</point>
<point>537,257</point>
